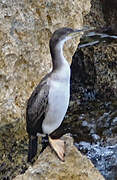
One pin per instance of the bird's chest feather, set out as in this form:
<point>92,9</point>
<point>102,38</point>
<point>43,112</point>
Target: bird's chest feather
<point>58,102</point>
<point>59,95</point>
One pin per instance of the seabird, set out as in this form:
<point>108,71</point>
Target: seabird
<point>49,101</point>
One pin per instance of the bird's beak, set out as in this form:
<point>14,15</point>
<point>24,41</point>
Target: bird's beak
<point>76,32</point>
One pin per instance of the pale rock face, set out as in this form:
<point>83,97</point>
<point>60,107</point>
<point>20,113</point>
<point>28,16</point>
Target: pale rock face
<point>25,30</point>
<point>49,167</point>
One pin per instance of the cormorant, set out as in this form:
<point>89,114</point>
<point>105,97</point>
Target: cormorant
<point>49,101</point>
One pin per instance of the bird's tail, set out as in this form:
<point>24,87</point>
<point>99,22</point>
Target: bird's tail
<point>32,149</point>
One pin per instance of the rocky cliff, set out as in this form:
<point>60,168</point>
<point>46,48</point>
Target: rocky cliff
<point>25,30</point>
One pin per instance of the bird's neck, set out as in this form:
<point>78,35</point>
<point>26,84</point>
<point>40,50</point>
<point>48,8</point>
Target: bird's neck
<point>58,59</point>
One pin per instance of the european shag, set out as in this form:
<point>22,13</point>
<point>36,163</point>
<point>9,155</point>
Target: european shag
<point>49,101</point>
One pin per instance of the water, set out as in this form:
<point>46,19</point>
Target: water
<point>104,158</point>
<point>95,135</point>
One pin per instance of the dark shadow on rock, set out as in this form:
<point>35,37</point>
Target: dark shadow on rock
<point>83,75</point>
<point>110,15</point>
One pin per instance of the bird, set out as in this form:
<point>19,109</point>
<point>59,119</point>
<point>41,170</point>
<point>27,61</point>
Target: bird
<point>49,101</point>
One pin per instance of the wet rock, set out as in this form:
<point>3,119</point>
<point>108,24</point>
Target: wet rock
<point>83,76</point>
<point>48,166</point>
<point>25,30</point>
<point>110,15</point>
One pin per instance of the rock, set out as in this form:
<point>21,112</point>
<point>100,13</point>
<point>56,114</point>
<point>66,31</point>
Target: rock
<point>25,30</point>
<point>100,59</point>
<point>110,15</point>
<point>49,167</point>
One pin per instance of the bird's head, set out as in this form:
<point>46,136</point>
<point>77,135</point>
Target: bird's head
<point>63,34</point>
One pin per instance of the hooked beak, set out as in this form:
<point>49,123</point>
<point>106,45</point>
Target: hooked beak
<point>76,32</point>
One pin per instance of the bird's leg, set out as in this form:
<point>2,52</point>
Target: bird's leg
<point>44,142</point>
<point>58,146</point>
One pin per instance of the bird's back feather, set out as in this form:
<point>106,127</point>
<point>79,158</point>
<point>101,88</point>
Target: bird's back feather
<point>37,107</point>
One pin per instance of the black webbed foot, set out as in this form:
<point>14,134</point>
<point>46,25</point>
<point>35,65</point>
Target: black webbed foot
<point>45,143</point>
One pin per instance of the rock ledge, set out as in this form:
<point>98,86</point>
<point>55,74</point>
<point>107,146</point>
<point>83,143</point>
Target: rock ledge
<point>49,167</point>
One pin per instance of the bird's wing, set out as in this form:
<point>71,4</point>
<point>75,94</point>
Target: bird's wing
<point>36,108</point>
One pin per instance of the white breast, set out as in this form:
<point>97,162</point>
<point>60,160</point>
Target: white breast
<point>59,95</point>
